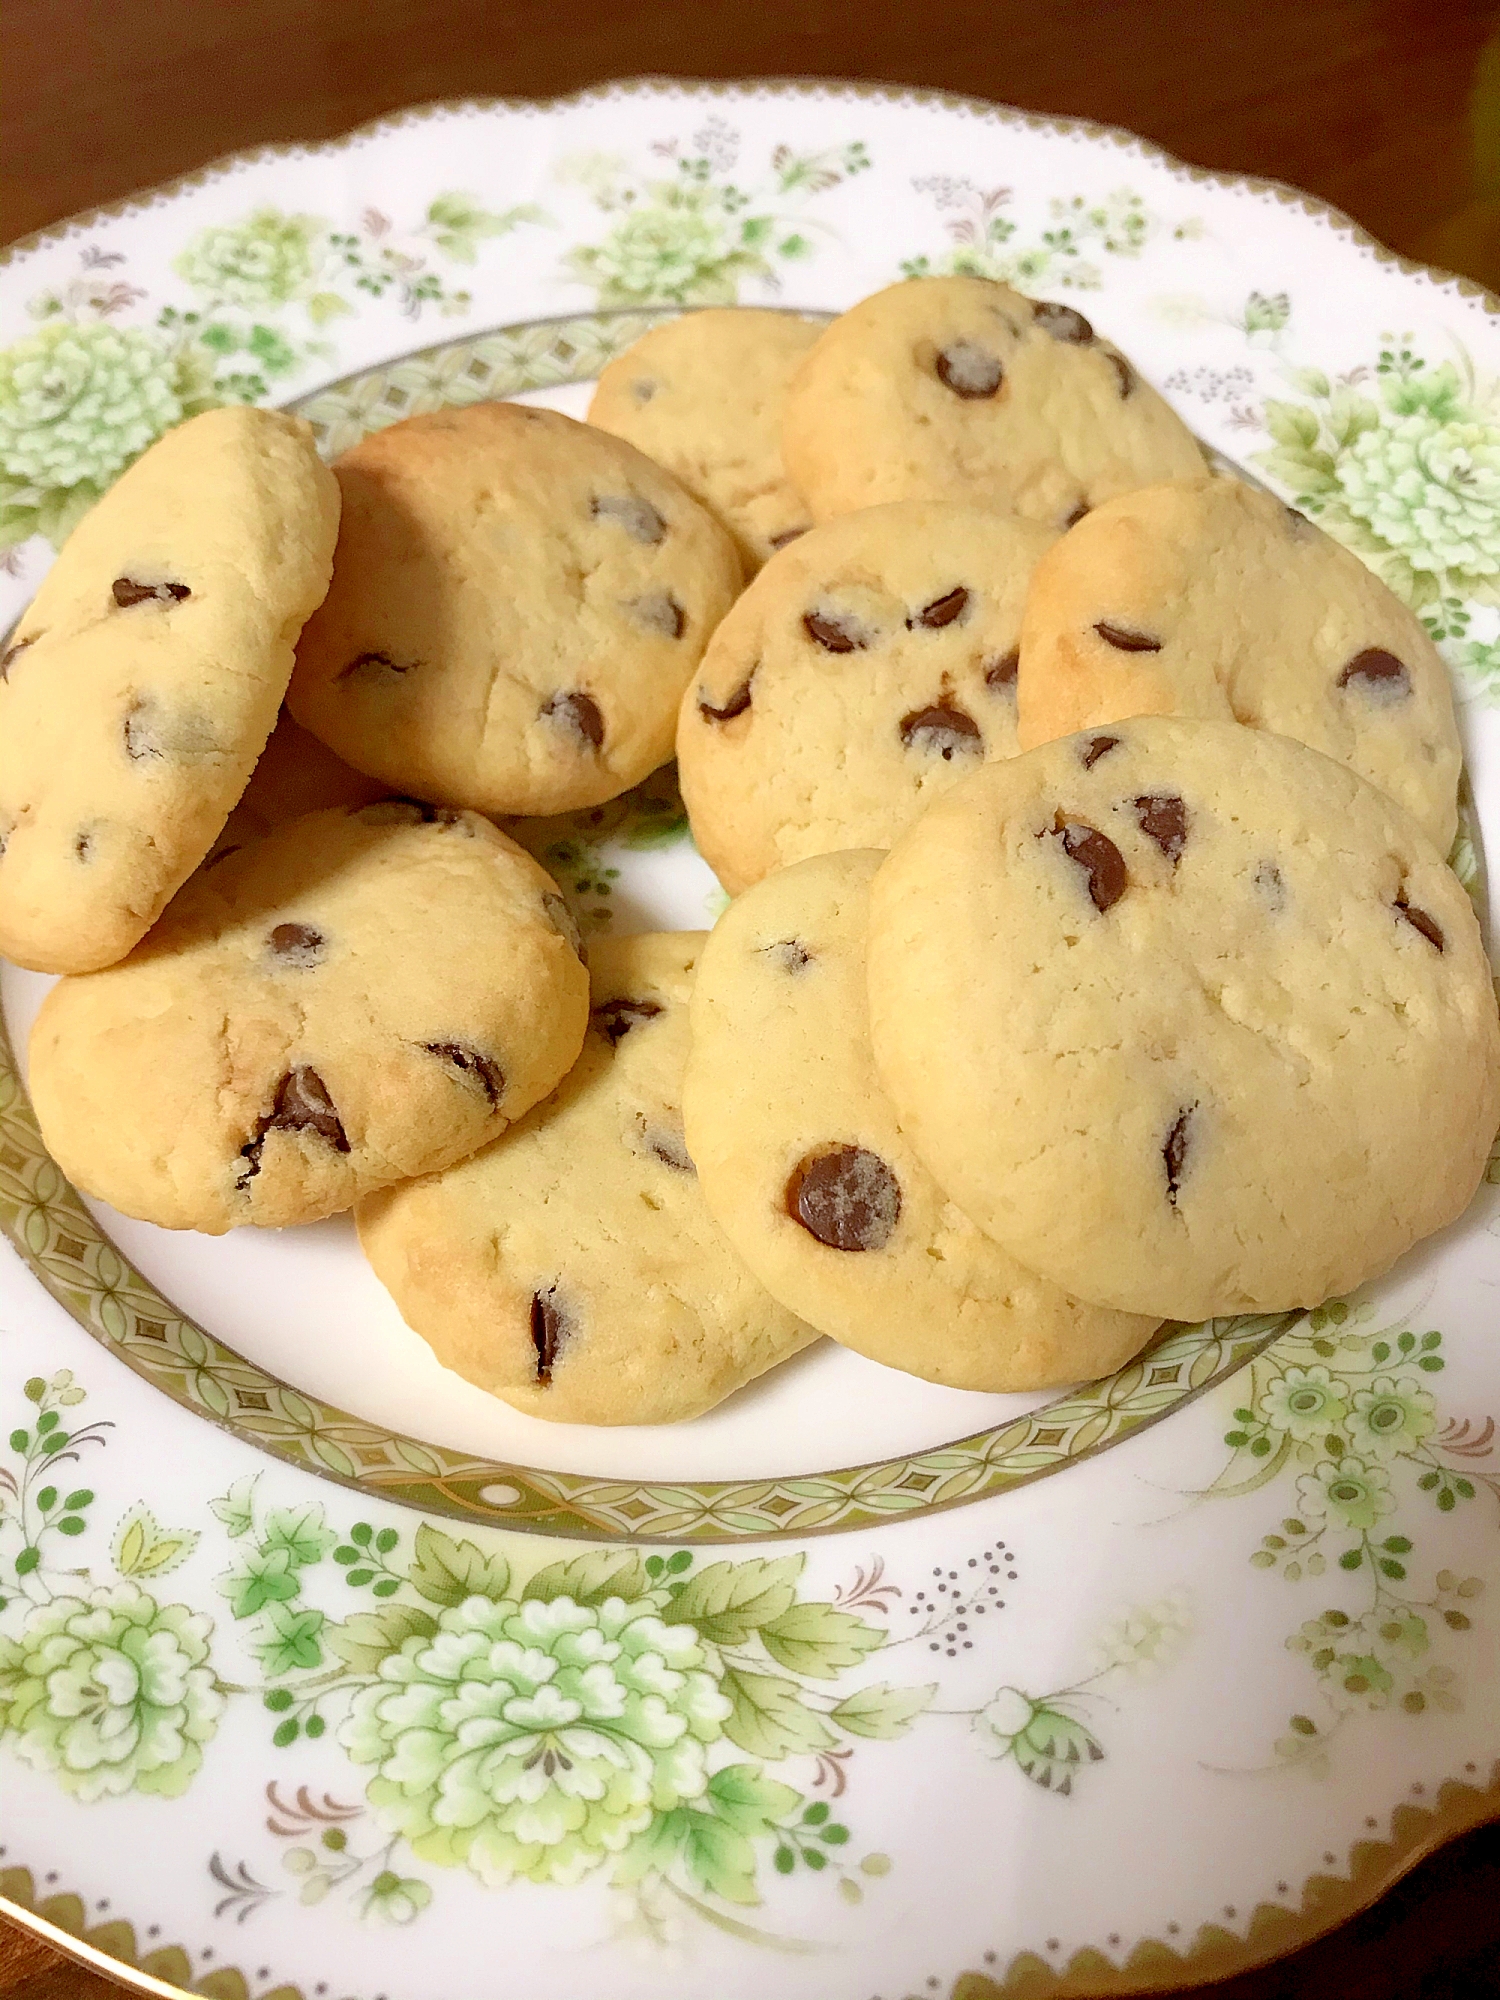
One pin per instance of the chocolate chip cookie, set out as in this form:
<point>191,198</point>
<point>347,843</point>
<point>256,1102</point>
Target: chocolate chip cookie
<point>809,1174</point>
<point>139,687</point>
<point>573,1268</point>
<point>518,601</point>
<point>867,669</point>
<point>1186,1015</point>
<point>961,385</point>
<point>356,998</point>
<point>1209,598</point>
<point>703,396</point>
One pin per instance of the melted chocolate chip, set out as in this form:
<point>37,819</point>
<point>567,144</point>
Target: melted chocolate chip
<point>297,944</point>
<point>1175,1150</point>
<point>1163,818</point>
<point>643,389</point>
<point>1100,859</point>
<point>660,612</point>
<point>617,1017</point>
<point>13,652</point>
<point>1419,920</point>
<point>637,517</point>
<point>737,703</point>
<point>787,537</point>
<point>1126,641</point>
<point>301,1104</point>
<point>127,592</point>
<point>576,715</point>
<point>83,844</point>
<point>1095,748</point>
<point>470,1063</point>
<point>1072,520</point>
<point>942,611</point>
<point>1062,322</point>
<point>1124,374</point>
<point>1378,674</point>
<point>943,728</point>
<point>969,370</point>
<point>563,921</point>
<point>549,1329</point>
<point>846,1197</point>
<point>410,812</point>
<point>1002,673</point>
<point>669,1147</point>
<point>383,661</point>
<point>836,632</point>
<point>790,953</point>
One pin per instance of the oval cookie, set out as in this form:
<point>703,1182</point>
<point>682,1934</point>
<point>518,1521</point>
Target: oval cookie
<point>573,1268</point>
<point>1186,1015</point>
<point>359,997</point>
<point>809,1174</point>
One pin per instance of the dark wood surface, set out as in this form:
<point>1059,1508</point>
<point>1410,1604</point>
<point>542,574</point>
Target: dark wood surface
<point>1367,105</point>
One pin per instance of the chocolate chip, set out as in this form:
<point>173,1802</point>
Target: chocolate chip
<point>1174,1152</point>
<point>563,921</point>
<point>669,1147</point>
<point>1378,674</point>
<point>637,517</point>
<point>1062,322</point>
<point>1072,520</point>
<point>836,632</point>
<point>969,370</point>
<point>1124,373</point>
<point>83,844</point>
<point>617,1017</point>
<point>787,537</point>
<point>142,732</point>
<point>660,611</point>
<point>14,652</point>
<point>1419,920</point>
<point>549,1329</point>
<point>1163,818</point>
<point>942,611</point>
<point>301,1104</point>
<point>1002,673</point>
<point>790,953</point>
<point>470,1063</point>
<point>1095,748</point>
<point>383,661</point>
<point>643,389</point>
<point>297,944</point>
<point>1125,641</point>
<point>410,812</point>
<point>944,729</point>
<point>846,1197</point>
<point>737,703</point>
<point>577,716</point>
<point>1098,856</point>
<point>127,592</point>
<point>1271,884</point>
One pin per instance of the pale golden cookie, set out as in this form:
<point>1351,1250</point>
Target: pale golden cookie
<point>296,774</point>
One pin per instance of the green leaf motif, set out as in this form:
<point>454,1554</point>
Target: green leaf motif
<point>1293,427</point>
<point>882,1711</point>
<point>260,1580</point>
<point>301,1531</point>
<point>768,1719</point>
<point>324,306</point>
<point>446,1572</point>
<point>746,1799</point>
<point>728,1601</point>
<point>293,1641</point>
<point>236,1508</point>
<point>141,1548</point>
<point>818,1640</point>
<point>368,1637</point>
<point>590,1579</point>
<point>719,1858</point>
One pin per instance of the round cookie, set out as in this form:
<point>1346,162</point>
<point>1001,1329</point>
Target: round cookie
<point>805,1167</point>
<point>573,1268</point>
<point>143,679</point>
<point>1209,598</point>
<point>1188,1016</point>
<point>358,997</point>
<point>703,396</point>
<point>518,601</point>
<point>867,668</point>
<point>960,385</point>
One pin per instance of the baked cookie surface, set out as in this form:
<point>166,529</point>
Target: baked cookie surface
<point>573,1268</point>
<point>963,386</point>
<point>805,1166</point>
<point>358,997</point>
<point>141,683</point>
<point>1188,1016</point>
<point>517,603</point>
<point>703,396</point>
<point>866,669</point>
<point>1210,598</point>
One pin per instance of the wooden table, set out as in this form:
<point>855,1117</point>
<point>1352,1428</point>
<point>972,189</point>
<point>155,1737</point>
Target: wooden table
<point>1365,102</point>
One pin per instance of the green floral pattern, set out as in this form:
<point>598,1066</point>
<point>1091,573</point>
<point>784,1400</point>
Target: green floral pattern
<point>986,242</point>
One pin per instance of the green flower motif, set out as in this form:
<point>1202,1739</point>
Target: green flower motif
<point>1306,1402</point>
<point>266,260</point>
<point>396,1898</point>
<point>537,1738</point>
<point>77,405</point>
<point>1047,1745</point>
<point>1390,1416</point>
<point>112,1693</point>
<point>670,252</point>
<point>1349,1490</point>
<point>1429,487</point>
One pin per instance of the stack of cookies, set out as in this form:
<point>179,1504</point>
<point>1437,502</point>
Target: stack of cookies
<point>1094,960</point>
